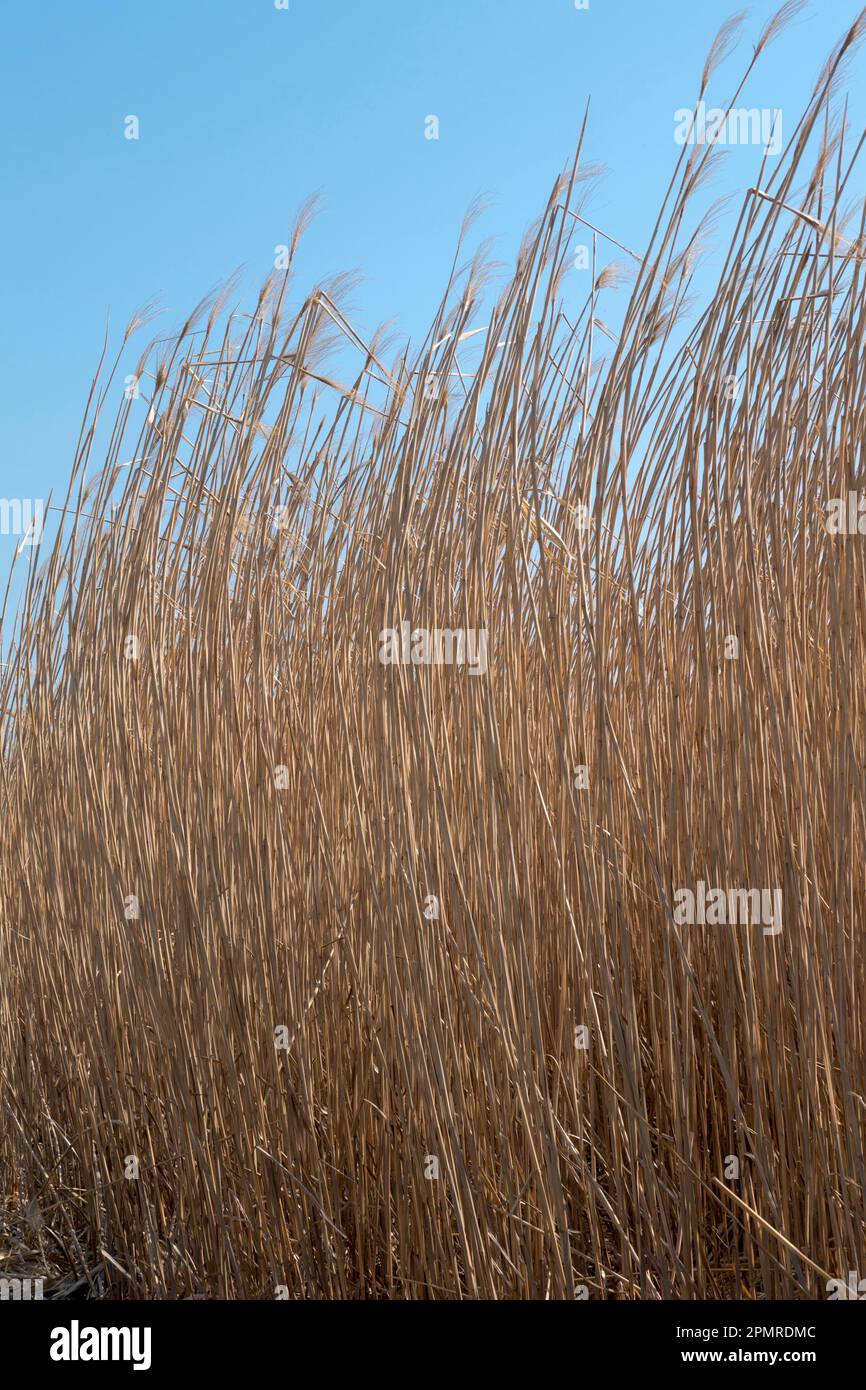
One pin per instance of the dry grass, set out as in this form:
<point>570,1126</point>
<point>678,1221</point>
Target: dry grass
<point>282,805</point>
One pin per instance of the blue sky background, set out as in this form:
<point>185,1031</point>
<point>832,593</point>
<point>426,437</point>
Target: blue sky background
<point>246,110</point>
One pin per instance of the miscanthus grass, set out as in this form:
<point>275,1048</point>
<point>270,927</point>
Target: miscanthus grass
<point>324,975</point>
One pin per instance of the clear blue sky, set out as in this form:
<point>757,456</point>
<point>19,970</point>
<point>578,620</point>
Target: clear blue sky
<point>245,110</point>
